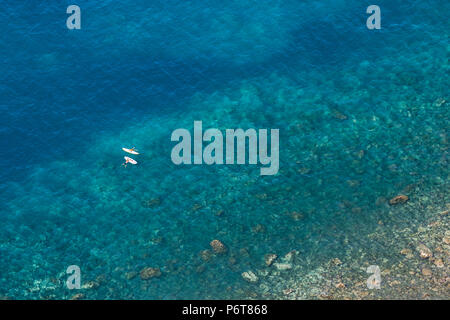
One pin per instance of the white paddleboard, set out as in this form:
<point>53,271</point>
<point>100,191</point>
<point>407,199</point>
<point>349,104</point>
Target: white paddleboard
<point>130,151</point>
<point>129,160</point>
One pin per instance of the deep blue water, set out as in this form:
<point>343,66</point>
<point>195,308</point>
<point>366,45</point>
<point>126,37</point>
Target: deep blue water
<point>137,70</point>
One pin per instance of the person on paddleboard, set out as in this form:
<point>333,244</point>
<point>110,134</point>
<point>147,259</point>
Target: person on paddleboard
<point>128,160</point>
<point>132,150</point>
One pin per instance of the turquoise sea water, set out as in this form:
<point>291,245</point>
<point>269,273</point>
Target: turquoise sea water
<point>363,116</point>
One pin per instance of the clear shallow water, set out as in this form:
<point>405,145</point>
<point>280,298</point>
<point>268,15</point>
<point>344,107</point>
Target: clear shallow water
<point>135,72</point>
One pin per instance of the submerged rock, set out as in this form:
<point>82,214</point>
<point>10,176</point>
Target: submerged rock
<point>219,213</point>
<point>152,203</point>
<point>243,252</point>
<point>289,256</point>
<point>407,252</point>
<point>335,113</point>
<point>282,266</point>
<point>424,251</point>
<point>304,170</point>
<point>269,258</point>
<point>296,216</point>
<point>288,291</point>
<point>439,263</point>
<point>200,268</point>
<point>426,272</point>
<point>353,183</point>
<point>259,228</point>
<point>400,199</point>
<point>149,272</point>
<point>356,210</point>
<point>196,207</point>
<point>232,261</point>
<point>130,275</point>
<point>249,276</point>
<point>336,261</point>
<point>90,285</point>
<point>206,255</point>
<point>77,296</point>
<point>439,102</point>
<point>218,246</point>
